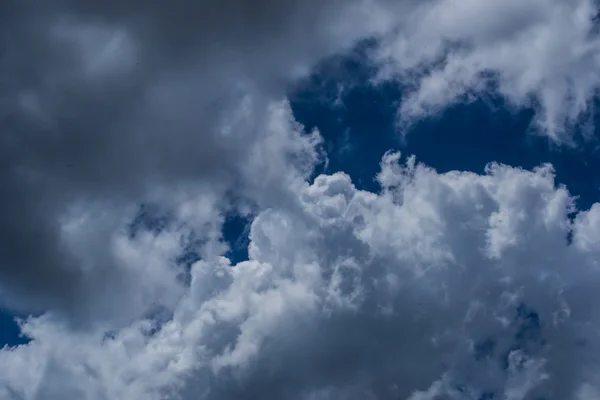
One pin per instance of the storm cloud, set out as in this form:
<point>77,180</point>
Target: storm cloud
<point>105,104</point>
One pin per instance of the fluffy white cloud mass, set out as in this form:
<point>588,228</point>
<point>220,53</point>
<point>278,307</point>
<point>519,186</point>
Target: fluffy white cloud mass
<point>132,129</point>
<point>442,286</point>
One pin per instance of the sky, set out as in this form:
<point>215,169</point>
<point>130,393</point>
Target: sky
<point>303,200</point>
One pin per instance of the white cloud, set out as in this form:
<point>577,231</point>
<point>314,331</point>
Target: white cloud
<point>442,285</point>
<point>540,53</point>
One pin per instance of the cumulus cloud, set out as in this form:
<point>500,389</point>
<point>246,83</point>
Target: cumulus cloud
<point>131,129</point>
<point>452,285</point>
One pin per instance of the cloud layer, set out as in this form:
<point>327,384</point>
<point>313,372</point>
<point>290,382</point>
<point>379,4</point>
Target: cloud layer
<point>132,130</point>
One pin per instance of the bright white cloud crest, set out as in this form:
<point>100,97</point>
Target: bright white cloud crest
<point>441,286</point>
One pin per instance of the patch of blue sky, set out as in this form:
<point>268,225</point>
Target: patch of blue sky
<point>10,332</point>
<point>236,230</point>
<point>359,125</point>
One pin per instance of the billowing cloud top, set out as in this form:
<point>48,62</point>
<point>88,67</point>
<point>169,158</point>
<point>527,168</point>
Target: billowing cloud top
<point>132,129</point>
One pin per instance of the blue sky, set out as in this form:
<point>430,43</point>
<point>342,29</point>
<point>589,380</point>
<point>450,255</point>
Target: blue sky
<point>360,125</point>
<point>9,330</point>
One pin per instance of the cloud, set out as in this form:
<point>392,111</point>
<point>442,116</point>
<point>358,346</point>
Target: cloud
<point>540,54</point>
<point>452,285</point>
<point>442,285</point>
<point>106,106</point>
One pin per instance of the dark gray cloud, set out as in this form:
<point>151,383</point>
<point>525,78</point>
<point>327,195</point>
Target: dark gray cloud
<point>105,102</point>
